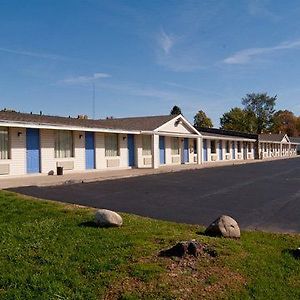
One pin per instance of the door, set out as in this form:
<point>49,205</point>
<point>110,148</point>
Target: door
<point>33,150</point>
<point>185,156</point>
<point>220,150</point>
<point>245,150</point>
<point>162,150</point>
<point>205,150</point>
<point>89,150</point>
<point>130,146</point>
<point>233,150</point>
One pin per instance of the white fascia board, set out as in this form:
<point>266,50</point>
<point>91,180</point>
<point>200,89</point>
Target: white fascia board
<point>208,137</point>
<point>172,134</point>
<point>270,142</point>
<point>185,121</point>
<point>286,136</point>
<point>64,127</point>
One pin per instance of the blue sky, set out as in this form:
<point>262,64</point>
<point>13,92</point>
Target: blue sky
<point>145,56</point>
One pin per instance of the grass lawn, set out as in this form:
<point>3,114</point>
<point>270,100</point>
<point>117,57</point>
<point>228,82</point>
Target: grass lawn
<point>53,251</point>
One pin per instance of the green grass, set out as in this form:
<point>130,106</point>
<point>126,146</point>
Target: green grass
<point>52,251</point>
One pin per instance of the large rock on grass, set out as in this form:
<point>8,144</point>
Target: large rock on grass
<point>224,226</point>
<point>108,218</point>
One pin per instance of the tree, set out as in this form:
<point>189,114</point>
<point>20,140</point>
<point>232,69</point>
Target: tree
<point>238,119</point>
<point>284,121</point>
<point>298,125</point>
<point>202,120</point>
<point>176,110</point>
<point>262,107</point>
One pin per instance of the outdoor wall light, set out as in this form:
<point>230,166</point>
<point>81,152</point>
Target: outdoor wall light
<point>80,136</point>
<point>124,138</point>
<point>20,133</point>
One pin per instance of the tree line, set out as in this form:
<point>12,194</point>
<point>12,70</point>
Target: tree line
<point>257,115</point>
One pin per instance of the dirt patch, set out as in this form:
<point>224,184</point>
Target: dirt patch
<point>185,278</point>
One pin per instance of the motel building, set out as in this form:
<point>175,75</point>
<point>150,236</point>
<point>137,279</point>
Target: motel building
<point>276,145</point>
<point>225,145</point>
<point>32,144</point>
<point>40,144</point>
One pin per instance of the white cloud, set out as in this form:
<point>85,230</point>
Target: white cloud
<point>246,55</point>
<point>166,42</point>
<point>33,54</point>
<point>84,79</point>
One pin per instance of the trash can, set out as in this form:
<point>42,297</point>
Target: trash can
<point>60,171</point>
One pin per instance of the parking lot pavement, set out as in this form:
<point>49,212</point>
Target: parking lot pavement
<point>259,196</point>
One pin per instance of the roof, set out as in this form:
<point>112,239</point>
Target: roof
<point>271,137</point>
<point>225,137</point>
<point>147,123</point>
<point>295,140</point>
<point>228,133</point>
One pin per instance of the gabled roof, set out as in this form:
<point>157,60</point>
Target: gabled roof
<point>271,137</point>
<point>148,123</point>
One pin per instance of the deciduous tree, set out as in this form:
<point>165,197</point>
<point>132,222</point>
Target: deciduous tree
<point>262,107</point>
<point>238,119</point>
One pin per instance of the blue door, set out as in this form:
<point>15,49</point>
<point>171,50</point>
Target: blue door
<point>89,150</point>
<point>233,150</point>
<point>162,150</point>
<point>33,150</point>
<point>185,157</point>
<point>220,150</point>
<point>205,150</point>
<point>130,146</point>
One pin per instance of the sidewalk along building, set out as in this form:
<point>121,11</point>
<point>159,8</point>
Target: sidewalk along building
<point>276,145</point>
<point>227,145</point>
<point>31,143</point>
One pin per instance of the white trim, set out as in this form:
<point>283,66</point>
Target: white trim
<point>184,120</point>
<point>228,138</point>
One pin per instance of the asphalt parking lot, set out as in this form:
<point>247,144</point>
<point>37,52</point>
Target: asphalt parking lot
<point>259,196</point>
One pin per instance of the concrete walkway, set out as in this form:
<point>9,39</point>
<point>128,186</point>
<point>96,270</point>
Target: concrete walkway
<point>92,176</point>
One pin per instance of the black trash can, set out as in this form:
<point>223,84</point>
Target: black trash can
<point>60,171</point>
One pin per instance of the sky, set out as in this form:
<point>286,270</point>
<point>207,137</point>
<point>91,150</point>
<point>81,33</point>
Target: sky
<point>144,56</point>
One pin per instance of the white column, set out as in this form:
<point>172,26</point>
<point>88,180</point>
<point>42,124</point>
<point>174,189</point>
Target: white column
<point>155,151</point>
<point>199,151</point>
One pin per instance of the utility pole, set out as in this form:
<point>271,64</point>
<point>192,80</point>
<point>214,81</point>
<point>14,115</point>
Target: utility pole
<point>94,103</point>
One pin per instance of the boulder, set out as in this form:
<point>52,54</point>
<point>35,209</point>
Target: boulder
<point>224,226</point>
<point>108,218</point>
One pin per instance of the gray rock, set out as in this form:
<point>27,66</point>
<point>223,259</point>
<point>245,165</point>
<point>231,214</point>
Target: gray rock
<point>108,218</point>
<point>224,226</point>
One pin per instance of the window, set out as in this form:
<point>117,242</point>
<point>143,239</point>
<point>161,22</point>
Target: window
<point>213,147</point>
<point>63,144</point>
<point>238,146</point>
<point>175,146</point>
<point>4,143</point>
<point>146,144</point>
<point>111,144</point>
<point>227,147</point>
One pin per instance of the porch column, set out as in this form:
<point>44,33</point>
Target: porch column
<point>199,151</point>
<point>155,151</point>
